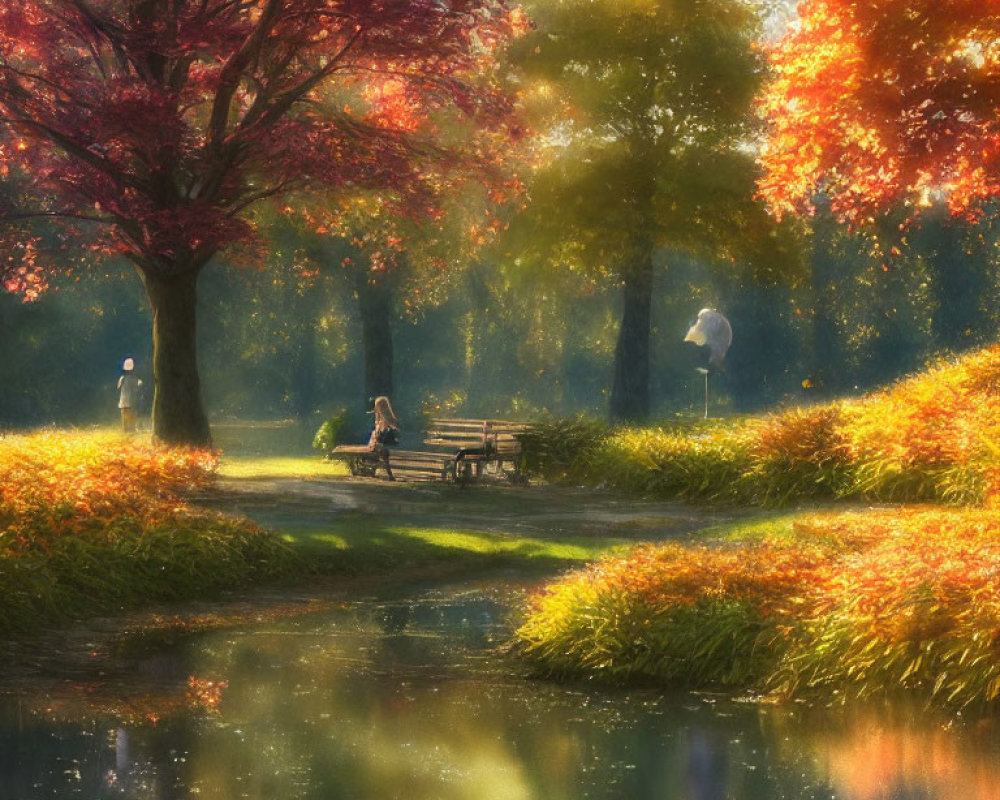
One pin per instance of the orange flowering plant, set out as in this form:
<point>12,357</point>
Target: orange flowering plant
<point>933,436</point>
<point>853,603</point>
<point>689,615</point>
<point>95,474</point>
<point>90,521</point>
<point>916,609</point>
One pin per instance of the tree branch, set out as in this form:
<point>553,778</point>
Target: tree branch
<point>76,150</point>
<point>56,88</point>
<point>263,194</point>
<point>266,110</point>
<point>229,78</point>
<point>55,215</point>
<point>105,28</point>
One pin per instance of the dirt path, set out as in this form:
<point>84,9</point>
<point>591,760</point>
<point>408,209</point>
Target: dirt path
<point>523,511</point>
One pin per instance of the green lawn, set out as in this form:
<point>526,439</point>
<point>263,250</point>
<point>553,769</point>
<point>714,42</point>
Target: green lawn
<point>237,466</point>
<point>361,544</point>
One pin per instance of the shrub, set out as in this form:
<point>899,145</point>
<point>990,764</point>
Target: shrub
<point>562,451</point>
<point>931,437</point>
<point>328,435</point>
<point>708,465</point>
<point>800,453</point>
<point>853,603</point>
<point>935,436</point>
<point>917,610</point>
<point>696,615</point>
<point>94,522</point>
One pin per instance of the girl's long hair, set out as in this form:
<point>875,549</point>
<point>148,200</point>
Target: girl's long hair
<point>384,412</point>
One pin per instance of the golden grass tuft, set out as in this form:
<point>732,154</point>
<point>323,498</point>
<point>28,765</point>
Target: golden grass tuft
<point>851,604</point>
<point>931,437</point>
<point>94,521</point>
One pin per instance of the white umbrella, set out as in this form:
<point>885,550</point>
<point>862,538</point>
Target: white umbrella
<point>711,330</point>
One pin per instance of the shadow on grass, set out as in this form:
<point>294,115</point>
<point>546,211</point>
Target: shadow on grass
<point>355,546</point>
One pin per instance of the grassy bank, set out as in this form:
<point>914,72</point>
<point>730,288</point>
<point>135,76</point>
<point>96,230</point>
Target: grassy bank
<point>933,437</point>
<point>842,603</point>
<point>838,604</point>
<point>94,523</point>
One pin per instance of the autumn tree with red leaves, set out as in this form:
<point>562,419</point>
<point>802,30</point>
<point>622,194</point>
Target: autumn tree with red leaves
<point>153,129</point>
<point>884,103</point>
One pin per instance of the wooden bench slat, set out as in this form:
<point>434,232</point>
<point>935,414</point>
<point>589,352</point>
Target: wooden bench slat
<point>477,430</point>
<point>463,434</point>
<point>457,434</point>
<point>413,453</point>
<point>442,421</point>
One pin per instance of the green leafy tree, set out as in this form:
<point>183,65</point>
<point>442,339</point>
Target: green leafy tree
<point>396,266</point>
<point>646,149</point>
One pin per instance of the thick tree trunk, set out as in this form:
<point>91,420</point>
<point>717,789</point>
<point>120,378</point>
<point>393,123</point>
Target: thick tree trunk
<point>958,283</point>
<point>630,392</point>
<point>375,303</point>
<point>305,369</point>
<point>896,344</point>
<point>178,411</point>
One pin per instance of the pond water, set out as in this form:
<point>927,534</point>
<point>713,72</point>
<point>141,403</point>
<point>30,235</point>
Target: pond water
<point>407,694</point>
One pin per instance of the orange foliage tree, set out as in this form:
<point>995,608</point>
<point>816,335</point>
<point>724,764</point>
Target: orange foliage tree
<point>875,103</point>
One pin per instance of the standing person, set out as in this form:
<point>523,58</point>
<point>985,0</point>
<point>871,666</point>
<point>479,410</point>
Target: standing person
<point>385,431</point>
<point>128,394</point>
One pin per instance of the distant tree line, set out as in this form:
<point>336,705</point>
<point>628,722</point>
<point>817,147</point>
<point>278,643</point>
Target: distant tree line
<point>287,342</point>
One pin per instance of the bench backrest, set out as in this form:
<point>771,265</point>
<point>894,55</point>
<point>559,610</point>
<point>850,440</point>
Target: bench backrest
<point>457,433</point>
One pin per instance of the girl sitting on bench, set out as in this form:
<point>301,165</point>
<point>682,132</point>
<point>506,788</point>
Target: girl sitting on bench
<point>385,431</point>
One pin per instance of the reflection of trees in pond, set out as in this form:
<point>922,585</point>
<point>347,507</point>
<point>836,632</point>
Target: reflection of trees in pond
<point>148,761</point>
<point>394,618</point>
<point>707,764</point>
<point>332,718</point>
<point>41,757</point>
<point>878,754</point>
<point>404,699</point>
<point>345,704</point>
<point>347,710</point>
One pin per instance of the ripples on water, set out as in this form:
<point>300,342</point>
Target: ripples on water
<point>409,698</point>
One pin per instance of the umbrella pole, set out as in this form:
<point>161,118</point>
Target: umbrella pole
<point>706,395</point>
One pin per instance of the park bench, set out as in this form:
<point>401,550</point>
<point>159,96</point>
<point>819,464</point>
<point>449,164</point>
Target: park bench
<point>410,465</point>
<point>478,447</point>
<point>462,450</point>
<point>360,459</point>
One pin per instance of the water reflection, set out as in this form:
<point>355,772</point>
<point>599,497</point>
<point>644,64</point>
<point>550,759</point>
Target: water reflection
<point>407,698</point>
<point>898,754</point>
